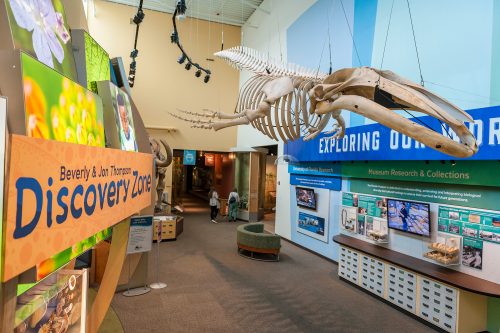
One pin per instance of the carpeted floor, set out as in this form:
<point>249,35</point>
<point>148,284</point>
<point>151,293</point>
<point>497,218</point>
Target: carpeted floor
<point>212,289</point>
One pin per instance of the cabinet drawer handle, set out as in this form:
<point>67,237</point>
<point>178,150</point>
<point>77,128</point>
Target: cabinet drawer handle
<point>449,290</point>
<point>426,289</point>
<point>447,325</point>
<point>435,319</point>
<point>400,302</point>
<point>410,290</point>
<point>437,310</point>
<point>400,293</point>
<point>425,305</point>
<point>437,302</point>
<point>425,314</point>
<point>392,289</point>
<point>410,298</point>
<point>410,283</point>
<point>449,306</point>
<point>449,298</point>
<point>447,315</point>
<point>425,296</point>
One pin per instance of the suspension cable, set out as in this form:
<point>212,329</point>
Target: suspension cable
<point>350,32</point>
<point>386,37</point>
<point>415,43</point>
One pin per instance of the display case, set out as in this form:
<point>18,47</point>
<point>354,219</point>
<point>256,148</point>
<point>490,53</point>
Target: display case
<point>445,250</point>
<point>378,230</point>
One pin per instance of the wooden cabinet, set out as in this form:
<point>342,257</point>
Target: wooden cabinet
<point>167,230</point>
<point>429,299</point>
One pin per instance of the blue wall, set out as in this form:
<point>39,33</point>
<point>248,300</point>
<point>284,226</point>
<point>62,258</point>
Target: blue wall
<point>455,41</point>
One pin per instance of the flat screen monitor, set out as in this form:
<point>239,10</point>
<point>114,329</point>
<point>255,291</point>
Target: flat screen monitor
<point>409,216</point>
<point>306,197</point>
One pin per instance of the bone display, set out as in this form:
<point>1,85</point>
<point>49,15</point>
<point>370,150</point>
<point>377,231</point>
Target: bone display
<point>286,101</point>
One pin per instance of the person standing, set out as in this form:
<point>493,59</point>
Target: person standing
<point>403,213</point>
<point>213,196</point>
<point>233,201</point>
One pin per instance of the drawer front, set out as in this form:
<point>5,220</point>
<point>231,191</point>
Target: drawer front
<point>438,304</point>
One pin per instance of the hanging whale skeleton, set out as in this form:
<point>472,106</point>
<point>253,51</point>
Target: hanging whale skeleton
<point>286,101</point>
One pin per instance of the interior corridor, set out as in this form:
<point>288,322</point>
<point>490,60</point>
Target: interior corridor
<point>213,289</point>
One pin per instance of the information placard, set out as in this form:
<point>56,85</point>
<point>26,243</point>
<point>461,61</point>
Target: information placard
<point>477,224</point>
<point>140,235</point>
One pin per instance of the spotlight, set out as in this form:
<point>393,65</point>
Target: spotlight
<point>198,73</point>
<point>138,17</point>
<point>188,66</point>
<point>174,37</point>
<point>134,53</point>
<point>206,79</point>
<point>133,65</point>
<point>181,9</point>
<point>182,58</point>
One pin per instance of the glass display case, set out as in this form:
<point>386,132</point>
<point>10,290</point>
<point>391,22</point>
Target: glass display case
<point>444,250</point>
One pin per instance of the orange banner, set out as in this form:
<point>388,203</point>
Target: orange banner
<point>61,193</point>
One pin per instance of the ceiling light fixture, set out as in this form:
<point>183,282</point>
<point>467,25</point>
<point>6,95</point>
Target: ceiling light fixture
<point>180,13</point>
<point>137,20</point>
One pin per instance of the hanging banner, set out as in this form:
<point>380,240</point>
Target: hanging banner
<point>189,157</point>
<point>60,193</point>
<point>377,142</point>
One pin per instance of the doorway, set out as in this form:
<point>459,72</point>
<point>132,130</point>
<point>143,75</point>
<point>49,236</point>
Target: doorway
<point>268,185</point>
<point>209,168</point>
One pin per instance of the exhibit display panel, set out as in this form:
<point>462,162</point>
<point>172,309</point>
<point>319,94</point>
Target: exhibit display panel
<point>111,193</point>
<point>312,211</point>
<point>58,108</point>
<point>41,30</point>
<point>58,304</point>
<point>93,59</point>
<point>118,110</point>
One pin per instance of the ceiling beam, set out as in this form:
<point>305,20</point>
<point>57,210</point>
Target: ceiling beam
<point>249,4</point>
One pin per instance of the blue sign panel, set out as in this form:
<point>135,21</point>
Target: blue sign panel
<point>331,183</point>
<point>189,157</point>
<point>377,142</point>
<point>317,169</point>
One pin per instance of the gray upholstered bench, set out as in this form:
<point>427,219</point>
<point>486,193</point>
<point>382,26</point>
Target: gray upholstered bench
<point>251,238</point>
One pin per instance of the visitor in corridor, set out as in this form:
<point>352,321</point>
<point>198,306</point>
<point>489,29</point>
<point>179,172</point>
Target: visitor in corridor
<point>233,201</point>
<point>213,196</point>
